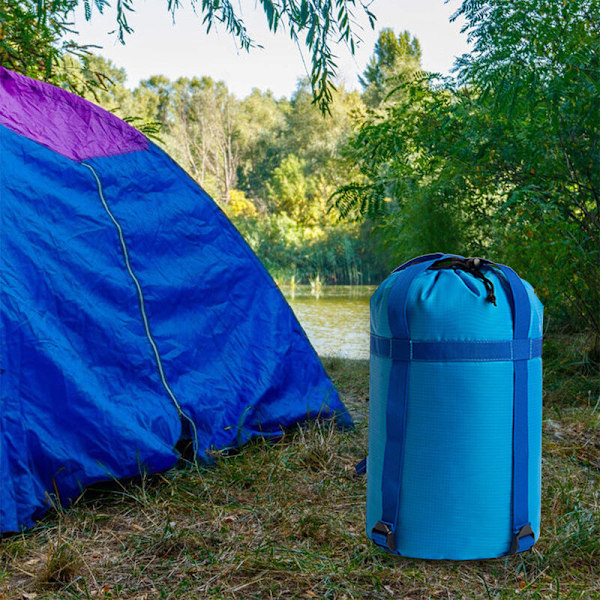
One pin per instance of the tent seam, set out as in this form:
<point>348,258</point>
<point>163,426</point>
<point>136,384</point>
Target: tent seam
<point>143,312</point>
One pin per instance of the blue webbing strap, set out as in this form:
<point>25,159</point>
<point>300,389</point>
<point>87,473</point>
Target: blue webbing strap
<point>383,534</point>
<point>360,468</point>
<point>523,536</point>
<point>481,351</point>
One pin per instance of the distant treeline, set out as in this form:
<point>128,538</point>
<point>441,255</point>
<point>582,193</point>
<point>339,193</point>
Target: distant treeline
<point>271,164</point>
<point>500,160</point>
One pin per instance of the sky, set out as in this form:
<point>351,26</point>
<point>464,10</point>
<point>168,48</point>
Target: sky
<point>183,48</point>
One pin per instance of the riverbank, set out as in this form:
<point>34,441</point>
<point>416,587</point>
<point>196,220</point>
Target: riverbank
<point>286,520</point>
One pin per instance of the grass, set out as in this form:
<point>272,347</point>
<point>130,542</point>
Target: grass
<point>285,519</point>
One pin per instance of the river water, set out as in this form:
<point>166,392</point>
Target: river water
<point>335,317</point>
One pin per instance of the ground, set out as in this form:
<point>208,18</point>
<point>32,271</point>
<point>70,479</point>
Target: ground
<point>285,519</point>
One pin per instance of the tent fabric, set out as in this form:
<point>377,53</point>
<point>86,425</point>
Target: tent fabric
<point>132,312</point>
<point>62,121</point>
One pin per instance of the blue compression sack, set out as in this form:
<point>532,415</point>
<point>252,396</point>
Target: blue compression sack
<point>454,464</point>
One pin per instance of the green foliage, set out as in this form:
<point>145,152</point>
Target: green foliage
<point>315,23</point>
<point>201,124</point>
<point>536,66</point>
<point>344,254</point>
<point>315,136</point>
<point>261,136</point>
<point>289,190</point>
<point>27,34</point>
<point>393,56</point>
<point>403,178</point>
<point>503,161</point>
<point>35,35</point>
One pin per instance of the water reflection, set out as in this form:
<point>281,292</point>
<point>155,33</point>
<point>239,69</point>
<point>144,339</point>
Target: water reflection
<point>335,317</point>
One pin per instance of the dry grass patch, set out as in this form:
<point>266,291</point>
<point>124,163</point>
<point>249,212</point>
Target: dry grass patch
<point>285,519</point>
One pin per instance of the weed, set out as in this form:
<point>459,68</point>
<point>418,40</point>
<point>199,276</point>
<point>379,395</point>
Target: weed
<point>63,564</point>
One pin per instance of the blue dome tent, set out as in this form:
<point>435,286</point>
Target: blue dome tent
<point>132,312</point>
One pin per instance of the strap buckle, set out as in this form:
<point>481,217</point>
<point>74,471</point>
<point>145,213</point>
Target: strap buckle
<point>383,536</point>
<point>361,467</point>
<point>524,531</point>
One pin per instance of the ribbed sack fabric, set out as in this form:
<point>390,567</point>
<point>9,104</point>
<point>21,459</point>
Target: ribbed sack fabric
<point>447,450</point>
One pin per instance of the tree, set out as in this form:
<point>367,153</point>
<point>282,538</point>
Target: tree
<point>317,137</point>
<point>261,137</point>
<point>506,158</point>
<point>403,179</point>
<point>37,28</point>
<point>111,92</point>
<point>393,57</point>
<point>35,35</point>
<point>536,65</point>
<point>289,191</point>
<point>202,133</point>
<point>152,96</point>
<point>269,130</point>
